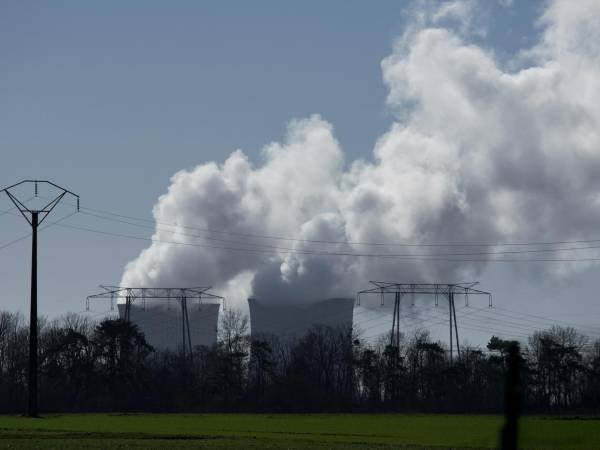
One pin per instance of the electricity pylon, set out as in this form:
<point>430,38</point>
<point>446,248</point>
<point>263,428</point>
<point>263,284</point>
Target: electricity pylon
<point>35,217</point>
<point>436,289</point>
<point>131,295</point>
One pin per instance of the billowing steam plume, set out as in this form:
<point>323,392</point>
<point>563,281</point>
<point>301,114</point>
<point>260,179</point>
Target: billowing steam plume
<point>478,154</point>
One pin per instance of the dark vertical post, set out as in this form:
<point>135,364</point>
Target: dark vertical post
<point>450,314</point>
<point>512,400</point>
<point>128,308</point>
<point>394,321</point>
<point>398,296</point>
<point>455,327</point>
<point>187,327</point>
<point>33,332</point>
<point>395,337</point>
<point>183,323</point>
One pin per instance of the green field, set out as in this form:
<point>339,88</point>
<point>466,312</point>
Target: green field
<point>300,431</point>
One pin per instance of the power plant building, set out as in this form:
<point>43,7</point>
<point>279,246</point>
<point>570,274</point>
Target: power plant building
<point>292,321</point>
<point>162,322</point>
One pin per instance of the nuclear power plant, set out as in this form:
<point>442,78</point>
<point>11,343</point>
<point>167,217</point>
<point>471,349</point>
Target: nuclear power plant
<point>171,318</point>
<point>164,328</point>
<point>179,319</point>
<point>183,318</point>
<point>292,321</point>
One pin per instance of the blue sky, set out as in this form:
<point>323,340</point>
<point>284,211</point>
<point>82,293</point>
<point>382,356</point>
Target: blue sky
<point>110,99</point>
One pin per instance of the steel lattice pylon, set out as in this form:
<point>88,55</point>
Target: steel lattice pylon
<point>436,289</point>
<point>141,294</point>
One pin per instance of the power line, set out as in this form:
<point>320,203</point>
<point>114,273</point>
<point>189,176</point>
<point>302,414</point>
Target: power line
<point>547,319</point>
<point>346,242</point>
<point>26,236</point>
<point>14,208</point>
<point>399,258</point>
<point>518,324</point>
<point>403,258</point>
<point>436,320</point>
<point>279,248</point>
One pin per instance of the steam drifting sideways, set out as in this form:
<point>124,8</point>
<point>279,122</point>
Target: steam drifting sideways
<point>477,154</point>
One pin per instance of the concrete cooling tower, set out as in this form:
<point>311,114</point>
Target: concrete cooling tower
<point>291,321</point>
<point>162,324</point>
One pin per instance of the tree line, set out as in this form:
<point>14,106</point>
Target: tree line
<point>109,366</point>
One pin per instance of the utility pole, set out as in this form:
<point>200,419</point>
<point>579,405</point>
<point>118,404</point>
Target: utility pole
<point>395,334</point>
<point>512,394</point>
<point>35,217</point>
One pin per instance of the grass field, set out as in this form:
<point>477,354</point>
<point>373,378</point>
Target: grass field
<point>302,431</point>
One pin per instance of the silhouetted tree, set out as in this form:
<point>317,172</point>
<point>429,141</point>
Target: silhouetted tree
<point>120,351</point>
<point>110,366</point>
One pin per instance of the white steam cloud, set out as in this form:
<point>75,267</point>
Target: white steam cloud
<point>477,154</point>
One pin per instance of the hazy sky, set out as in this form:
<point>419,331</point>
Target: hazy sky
<point>111,99</point>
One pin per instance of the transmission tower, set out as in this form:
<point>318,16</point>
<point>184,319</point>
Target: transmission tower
<point>182,295</point>
<point>35,217</point>
<point>438,290</point>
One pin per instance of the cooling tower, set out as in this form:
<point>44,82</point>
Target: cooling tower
<point>162,324</point>
<point>290,321</point>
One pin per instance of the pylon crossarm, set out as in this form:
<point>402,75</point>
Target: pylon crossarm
<point>18,184</point>
<point>59,187</point>
<point>207,295</point>
<point>20,206</point>
<point>51,206</point>
<point>119,292</point>
<point>47,209</point>
<point>382,287</point>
